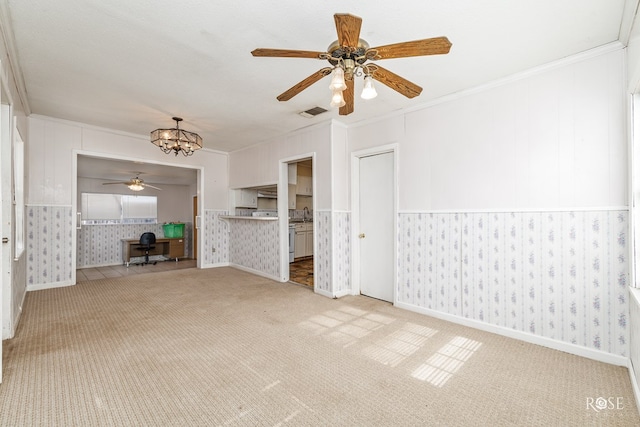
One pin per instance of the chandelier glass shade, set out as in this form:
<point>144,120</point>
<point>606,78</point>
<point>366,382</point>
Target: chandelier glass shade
<point>176,140</point>
<point>368,92</point>
<point>337,100</point>
<point>349,69</point>
<point>337,81</point>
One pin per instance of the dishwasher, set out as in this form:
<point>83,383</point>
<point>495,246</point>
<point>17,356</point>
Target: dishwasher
<point>292,241</point>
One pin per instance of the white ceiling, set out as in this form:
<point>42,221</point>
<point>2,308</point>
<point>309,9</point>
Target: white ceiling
<point>132,65</point>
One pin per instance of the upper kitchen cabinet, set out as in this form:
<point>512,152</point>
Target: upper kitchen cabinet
<point>293,173</point>
<point>292,196</point>
<point>304,184</point>
<point>246,198</point>
<point>304,187</point>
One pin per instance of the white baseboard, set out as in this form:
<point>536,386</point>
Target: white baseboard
<point>342,294</point>
<point>53,285</point>
<point>324,293</point>
<point>216,265</point>
<point>598,355</point>
<point>256,272</point>
<point>111,264</point>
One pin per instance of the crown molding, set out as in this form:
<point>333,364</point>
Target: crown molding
<point>6,30</point>
<point>629,14</point>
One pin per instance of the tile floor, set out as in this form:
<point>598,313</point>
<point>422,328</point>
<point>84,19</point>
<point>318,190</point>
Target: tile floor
<point>301,272</point>
<point>95,273</point>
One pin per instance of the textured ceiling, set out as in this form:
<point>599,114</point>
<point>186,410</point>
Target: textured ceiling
<point>132,65</point>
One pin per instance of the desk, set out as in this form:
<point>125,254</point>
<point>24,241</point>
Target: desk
<point>169,247</point>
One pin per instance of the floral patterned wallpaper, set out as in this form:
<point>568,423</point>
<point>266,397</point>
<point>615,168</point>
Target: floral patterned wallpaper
<point>102,244</point>
<point>255,245</point>
<point>48,244</point>
<point>560,275</point>
<point>322,251</point>
<point>215,235</point>
<point>342,252</point>
<point>634,341</point>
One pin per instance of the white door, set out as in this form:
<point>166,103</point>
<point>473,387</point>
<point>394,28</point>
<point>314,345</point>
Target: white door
<point>376,234</point>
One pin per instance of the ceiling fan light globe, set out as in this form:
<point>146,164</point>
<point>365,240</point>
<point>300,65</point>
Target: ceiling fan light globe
<point>136,187</point>
<point>337,100</point>
<point>337,81</point>
<point>369,91</point>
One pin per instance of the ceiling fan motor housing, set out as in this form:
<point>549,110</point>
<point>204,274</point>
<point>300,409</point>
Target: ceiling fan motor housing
<point>356,53</point>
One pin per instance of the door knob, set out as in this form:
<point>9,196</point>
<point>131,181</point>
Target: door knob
<point>361,235</point>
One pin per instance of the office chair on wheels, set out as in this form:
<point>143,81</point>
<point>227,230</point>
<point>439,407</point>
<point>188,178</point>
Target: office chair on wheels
<point>147,243</point>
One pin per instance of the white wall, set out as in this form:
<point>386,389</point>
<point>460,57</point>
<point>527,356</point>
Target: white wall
<point>51,159</point>
<point>513,210</point>
<point>53,147</point>
<point>258,165</point>
<point>340,168</point>
<point>551,140</point>
<point>174,201</point>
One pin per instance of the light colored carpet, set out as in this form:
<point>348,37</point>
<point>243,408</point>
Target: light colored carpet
<point>224,347</point>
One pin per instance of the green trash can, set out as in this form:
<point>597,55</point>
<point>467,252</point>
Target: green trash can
<point>173,230</point>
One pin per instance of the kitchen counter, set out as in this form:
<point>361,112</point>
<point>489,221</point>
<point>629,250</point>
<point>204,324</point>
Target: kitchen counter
<point>251,218</point>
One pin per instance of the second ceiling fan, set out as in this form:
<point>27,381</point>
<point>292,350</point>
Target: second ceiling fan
<point>135,184</point>
<point>349,56</point>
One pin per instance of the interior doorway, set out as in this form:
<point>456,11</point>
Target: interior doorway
<point>175,185</point>
<point>301,224</point>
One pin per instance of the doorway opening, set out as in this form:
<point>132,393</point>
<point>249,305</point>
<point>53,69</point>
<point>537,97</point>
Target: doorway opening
<point>301,224</point>
<point>173,187</point>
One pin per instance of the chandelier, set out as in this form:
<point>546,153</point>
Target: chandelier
<point>176,140</point>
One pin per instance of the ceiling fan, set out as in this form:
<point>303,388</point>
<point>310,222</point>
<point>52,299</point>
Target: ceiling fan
<point>349,56</point>
<point>135,184</point>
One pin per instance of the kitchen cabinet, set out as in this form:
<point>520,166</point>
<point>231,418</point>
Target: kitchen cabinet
<point>300,248</point>
<point>309,241</point>
<point>291,199</point>
<point>303,245</point>
<point>246,198</point>
<point>293,173</point>
<point>304,186</point>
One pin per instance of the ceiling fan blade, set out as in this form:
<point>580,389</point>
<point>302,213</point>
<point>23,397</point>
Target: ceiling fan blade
<point>347,94</point>
<point>348,28</point>
<point>395,82</point>
<point>287,53</point>
<point>120,182</point>
<point>433,46</point>
<point>290,93</point>
<point>151,186</point>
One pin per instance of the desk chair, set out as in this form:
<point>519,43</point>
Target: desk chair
<point>147,243</point>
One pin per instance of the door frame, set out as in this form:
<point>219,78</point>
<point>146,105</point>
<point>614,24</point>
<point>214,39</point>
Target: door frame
<point>355,210</point>
<point>283,211</point>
